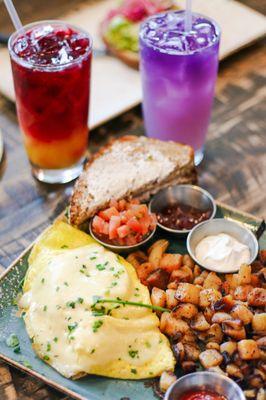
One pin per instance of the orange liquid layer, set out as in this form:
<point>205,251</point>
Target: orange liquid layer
<point>57,154</point>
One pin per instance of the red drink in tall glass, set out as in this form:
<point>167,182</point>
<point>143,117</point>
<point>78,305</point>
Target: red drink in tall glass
<point>51,64</point>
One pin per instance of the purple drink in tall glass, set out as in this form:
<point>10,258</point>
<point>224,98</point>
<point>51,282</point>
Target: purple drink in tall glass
<point>179,71</point>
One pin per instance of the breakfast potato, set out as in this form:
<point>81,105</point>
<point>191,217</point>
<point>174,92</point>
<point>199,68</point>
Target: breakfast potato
<point>226,303</point>
<point>171,262</point>
<point>214,334</point>
<point>189,337</point>
<point>187,260</point>
<point>184,274</point>
<point>208,297</point>
<point>199,323</point>
<point>220,317</point>
<point>166,380</point>
<point>199,280</point>
<point>173,326</point>
<point>257,297</point>
<point>158,297</point>
<point>192,352</point>
<point>179,352</point>
<point>213,346</point>
<point>234,371</point>
<point>232,280</point>
<point>212,281</point>
<point>210,358</point>
<point>233,329</point>
<point>187,293</point>
<point>244,274</point>
<point>208,313</point>
<point>259,323</point>
<point>241,292</point>
<point>158,278</point>
<point>240,311</point>
<point>156,252</point>
<point>248,349</point>
<point>171,301</point>
<point>185,310</point>
<point>137,258</point>
<point>143,271</point>
<point>196,270</point>
<point>228,347</point>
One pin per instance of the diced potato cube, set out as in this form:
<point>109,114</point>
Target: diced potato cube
<point>171,301</point>
<point>259,323</point>
<point>158,278</point>
<point>257,297</point>
<point>187,293</point>
<point>234,370</point>
<point>212,281</point>
<point>199,323</point>
<point>156,252</point>
<point>171,262</point>
<point>185,310</point>
<point>166,380</point>
<point>187,260</point>
<point>241,292</point>
<point>158,297</point>
<point>210,358</point>
<point>228,347</point>
<point>240,311</point>
<point>208,297</point>
<point>248,349</point>
<point>244,274</point>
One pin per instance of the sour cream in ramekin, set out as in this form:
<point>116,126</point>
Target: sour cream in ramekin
<point>222,252</point>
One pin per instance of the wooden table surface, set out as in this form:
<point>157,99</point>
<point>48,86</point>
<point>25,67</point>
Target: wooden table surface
<point>233,169</point>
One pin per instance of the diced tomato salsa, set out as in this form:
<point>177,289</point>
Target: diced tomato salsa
<point>124,223</point>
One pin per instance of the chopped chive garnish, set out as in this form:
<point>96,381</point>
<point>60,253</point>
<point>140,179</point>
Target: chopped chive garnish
<point>100,267</point>
<point>71,304</point>
<point>133,353</point>
<point>133,371</point>
<point>96,325</point>
<point>72,327</point>
<point>46,357</point>
<point>44,308</point>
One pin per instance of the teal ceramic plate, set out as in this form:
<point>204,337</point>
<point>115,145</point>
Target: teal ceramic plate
<point>92,387</point>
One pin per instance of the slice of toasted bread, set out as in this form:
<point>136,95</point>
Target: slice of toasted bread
<point>128,167</point>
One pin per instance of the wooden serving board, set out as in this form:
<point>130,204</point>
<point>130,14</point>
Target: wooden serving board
<point>116,87</point>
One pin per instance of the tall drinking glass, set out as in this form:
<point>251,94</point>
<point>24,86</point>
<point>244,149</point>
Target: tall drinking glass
<point>51,63</point>
<point>179,71</point>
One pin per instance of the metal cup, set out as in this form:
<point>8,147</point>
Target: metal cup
<point>214,382</point>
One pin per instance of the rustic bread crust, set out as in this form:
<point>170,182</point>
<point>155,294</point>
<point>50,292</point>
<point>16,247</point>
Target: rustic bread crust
<point>80,212</point>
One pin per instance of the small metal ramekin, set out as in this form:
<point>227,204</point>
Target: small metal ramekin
<point>190,195</point>
<point>222,225</point>
<point>121,249</point>
<point>212,381</point>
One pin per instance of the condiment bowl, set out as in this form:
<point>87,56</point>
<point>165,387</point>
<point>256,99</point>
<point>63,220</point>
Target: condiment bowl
<point>212,381</point>
<point>222,225</point>
<point>121,249</point>
<point>189,195</point>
